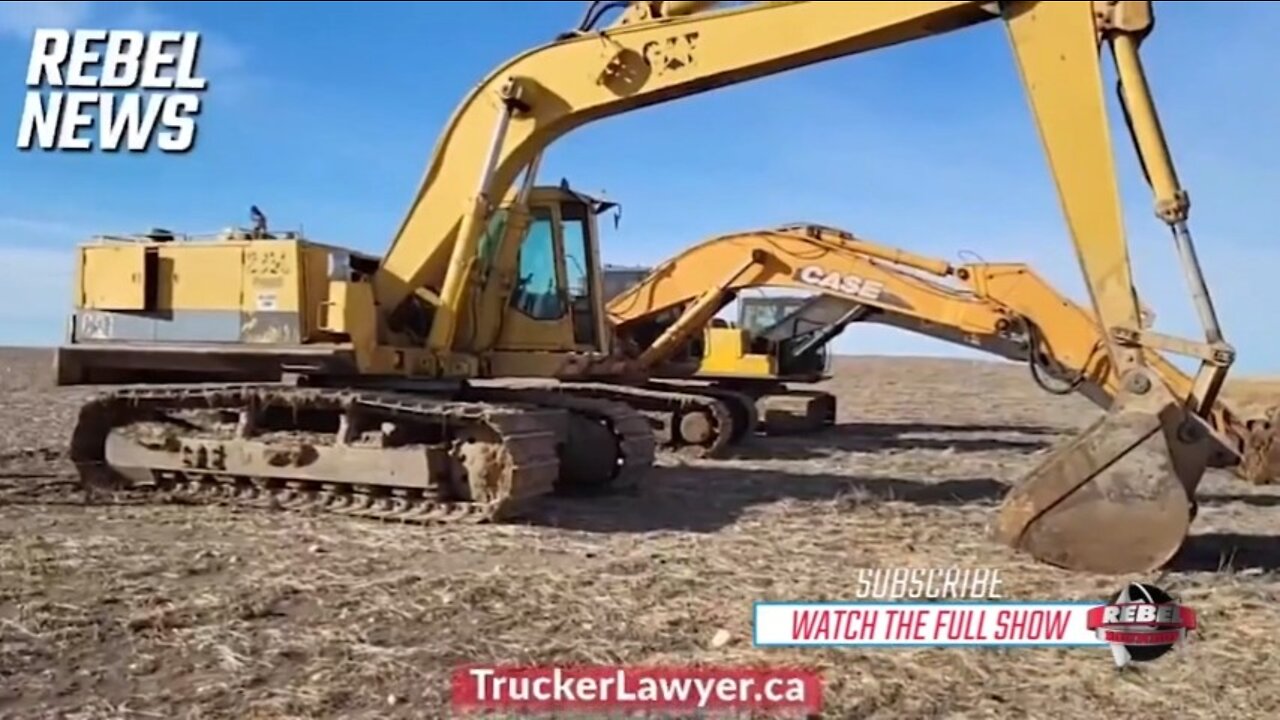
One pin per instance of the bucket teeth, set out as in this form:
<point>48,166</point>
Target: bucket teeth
<point>1115,499</point>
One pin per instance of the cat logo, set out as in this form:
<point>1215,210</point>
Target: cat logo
<point>834,281</point>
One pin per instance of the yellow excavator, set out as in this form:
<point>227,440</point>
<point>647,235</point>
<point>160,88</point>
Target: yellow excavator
<point>664,320</point>
<point>385,408</point>
<point>776,342</point>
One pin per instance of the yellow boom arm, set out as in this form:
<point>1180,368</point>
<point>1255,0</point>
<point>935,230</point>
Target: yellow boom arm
<point>655,54</point>
<point>1006,309</point>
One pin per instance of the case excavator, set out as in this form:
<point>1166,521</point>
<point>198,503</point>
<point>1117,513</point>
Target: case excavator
<point>775,343</point>
<point>1006,309</point>
<point>394,394</point>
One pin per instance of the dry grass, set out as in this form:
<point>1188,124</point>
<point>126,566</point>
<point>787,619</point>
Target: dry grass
<point>206,612</point>
<point>1253,395</point>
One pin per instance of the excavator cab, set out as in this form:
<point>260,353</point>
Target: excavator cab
<point>620,278</point>
<point>556,302</point>
<point>779,326</point>
<point>758,314</point>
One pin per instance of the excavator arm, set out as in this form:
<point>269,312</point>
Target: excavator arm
<point>655,53</point>
<point>1115,499</point>
<point>658,52</point>
<point>1006,309</point>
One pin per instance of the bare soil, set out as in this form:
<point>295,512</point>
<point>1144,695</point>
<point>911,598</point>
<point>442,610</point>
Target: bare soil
<point>129,610</point>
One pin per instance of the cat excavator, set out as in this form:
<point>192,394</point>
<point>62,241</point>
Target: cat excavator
<point>396,393</point>
<point>664,320</point>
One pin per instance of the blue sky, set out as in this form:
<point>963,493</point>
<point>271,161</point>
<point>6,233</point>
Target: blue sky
<point>323,114</point>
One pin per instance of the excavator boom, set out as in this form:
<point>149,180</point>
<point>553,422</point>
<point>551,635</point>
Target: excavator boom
<point>1006,309</point>
<point>654,54</point>
<point>659,52</point>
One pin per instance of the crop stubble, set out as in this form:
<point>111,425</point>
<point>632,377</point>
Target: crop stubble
<point>133,610</point>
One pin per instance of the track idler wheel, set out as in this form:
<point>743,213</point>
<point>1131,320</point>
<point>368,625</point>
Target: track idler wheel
<point>743,410</point>
<point>696,428</point>
<point>1116,499</point>
<point>1261,462</point>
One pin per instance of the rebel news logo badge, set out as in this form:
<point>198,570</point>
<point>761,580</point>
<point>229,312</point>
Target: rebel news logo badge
<point>1141,623</point>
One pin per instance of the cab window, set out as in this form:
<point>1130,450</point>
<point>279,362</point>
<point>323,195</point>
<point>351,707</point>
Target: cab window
<point>538,292</point>
<point>577,267</point>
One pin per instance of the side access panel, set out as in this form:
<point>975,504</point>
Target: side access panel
<point>115,278</point>
<point>185,293</point>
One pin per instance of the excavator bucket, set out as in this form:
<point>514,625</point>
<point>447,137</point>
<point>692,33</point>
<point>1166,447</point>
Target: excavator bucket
<point>1115,499</point>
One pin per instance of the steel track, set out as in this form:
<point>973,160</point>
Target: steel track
<point>648,398</point>
<point>525,429</point>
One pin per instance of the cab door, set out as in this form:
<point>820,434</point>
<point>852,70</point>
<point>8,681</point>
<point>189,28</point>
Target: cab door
<point>538,313</point>
<point>582,284</point>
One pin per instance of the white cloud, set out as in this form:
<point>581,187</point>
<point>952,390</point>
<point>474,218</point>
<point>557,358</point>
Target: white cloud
<point>26,231</point>
<point>19,19</point>
<point>36,272</point>
<point>222,61</point>
<point>11,225</point>
<point>218,54</point>
<point>35,294</point>
<point>142,17</point>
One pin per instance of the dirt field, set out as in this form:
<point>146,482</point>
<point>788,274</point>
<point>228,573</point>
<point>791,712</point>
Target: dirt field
<point>202,612</point>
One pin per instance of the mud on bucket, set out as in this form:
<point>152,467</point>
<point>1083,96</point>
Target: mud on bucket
<point>1113,500</point>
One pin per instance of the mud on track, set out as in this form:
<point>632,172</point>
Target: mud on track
<point>127,610</point>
